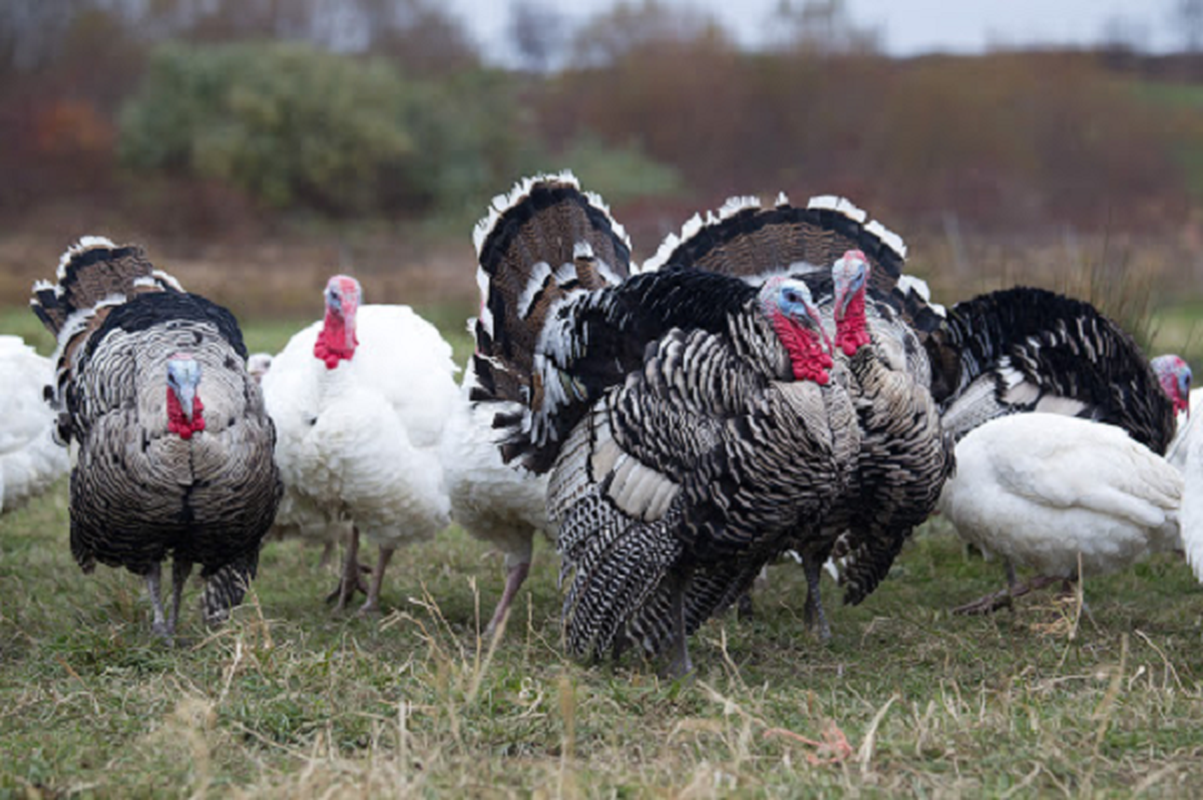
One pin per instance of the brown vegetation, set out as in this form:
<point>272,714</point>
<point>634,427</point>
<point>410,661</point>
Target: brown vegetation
<point>1087,158</point>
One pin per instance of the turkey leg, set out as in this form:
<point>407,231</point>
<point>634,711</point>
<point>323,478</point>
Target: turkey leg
<point>372,604</point>
<point>180,570</point>
<point>350,583</point>
<point>154,587</point>
<point>680,666</point>
<point>514,578</point>
<point>813,613</point>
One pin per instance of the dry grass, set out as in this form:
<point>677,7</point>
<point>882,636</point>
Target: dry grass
<point>291,701</point>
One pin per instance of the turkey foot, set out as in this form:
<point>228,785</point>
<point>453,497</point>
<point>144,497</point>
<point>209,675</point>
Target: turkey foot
<point>372,604</point>
<point>351,582</point>
<point>1003,597</point>
<point>680,666</point>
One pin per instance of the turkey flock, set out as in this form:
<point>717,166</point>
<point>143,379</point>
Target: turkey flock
<point>771,381</point>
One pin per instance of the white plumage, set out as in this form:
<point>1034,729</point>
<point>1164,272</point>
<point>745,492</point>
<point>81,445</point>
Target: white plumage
<point>30,460</point>
<point>499,504</point>
<point>1041,489</point>
<point>360,440</point>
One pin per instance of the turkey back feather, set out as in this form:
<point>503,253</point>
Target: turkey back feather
<point>1025,349</point>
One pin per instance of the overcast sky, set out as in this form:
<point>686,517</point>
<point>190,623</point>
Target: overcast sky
<point>909,26</point>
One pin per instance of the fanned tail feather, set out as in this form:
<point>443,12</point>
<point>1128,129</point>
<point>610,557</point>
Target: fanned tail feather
<point>749,240</point>
<point>92,272</point>
<point>544,241</point>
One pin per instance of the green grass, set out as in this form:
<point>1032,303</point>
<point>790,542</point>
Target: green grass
<point>290,700</point>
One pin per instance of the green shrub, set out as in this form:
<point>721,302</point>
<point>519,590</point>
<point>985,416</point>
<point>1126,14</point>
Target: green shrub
<point>289,124</point>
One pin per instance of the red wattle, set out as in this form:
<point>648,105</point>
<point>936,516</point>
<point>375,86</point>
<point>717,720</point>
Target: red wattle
<point>177,423</point>
<point>806,355</point>
<point>331,345</point>
<point>851,332</point>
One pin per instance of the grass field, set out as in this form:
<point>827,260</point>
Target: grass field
<point>290,700</point>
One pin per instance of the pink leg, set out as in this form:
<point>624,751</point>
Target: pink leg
<point>514,579</point>
<point>350,582</point>
<point>372,604</point>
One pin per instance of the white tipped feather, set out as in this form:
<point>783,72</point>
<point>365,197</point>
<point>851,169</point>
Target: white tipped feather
<point>486,316</point>
<point>504,202</point>
<point>582,250</point>
<point>782,200</point>
<point>734,205</point>
<point>840,204</point>
<point>538,278</point>
<point>663,252</point>
<point>84,244</point>
<point>891,239</point>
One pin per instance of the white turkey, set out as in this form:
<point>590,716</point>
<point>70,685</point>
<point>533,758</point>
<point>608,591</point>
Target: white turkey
<point>258,365</point>
<point>360,400</point>
<point>688,420</point>
<point>1045,490</point>
<point>852,266</point>
<point>30,459</point>
<point>172,447</point>
<point>499,504</point>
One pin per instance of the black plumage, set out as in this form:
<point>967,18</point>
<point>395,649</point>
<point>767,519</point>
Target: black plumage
<point>1027,349</point>
<point>904,456</point>
<point>683,445</point>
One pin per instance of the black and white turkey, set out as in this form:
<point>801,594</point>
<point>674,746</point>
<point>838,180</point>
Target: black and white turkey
<point>690,421</point>
<point>853,267</point>
<point>172,446</point>
<point>30,460</point>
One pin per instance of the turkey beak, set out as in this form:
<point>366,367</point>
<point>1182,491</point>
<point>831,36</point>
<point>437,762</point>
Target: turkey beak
<point>842,296</point>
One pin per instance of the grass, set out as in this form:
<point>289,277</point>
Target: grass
<point>290,700</point>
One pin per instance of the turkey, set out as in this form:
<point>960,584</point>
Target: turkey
<point>498,504</point>
<point>1175,377</point>
<point>172,447</point>
<point>360,401</point>
<point>1045,490</point>
<point>689,422</point>
<point>1026,349</point>
<point>30,459</point>
<point>854,268</point>
<point>258,365</point>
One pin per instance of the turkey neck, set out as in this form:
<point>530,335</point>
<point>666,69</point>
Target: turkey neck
<point>336,341</point>
<point>851,332</point>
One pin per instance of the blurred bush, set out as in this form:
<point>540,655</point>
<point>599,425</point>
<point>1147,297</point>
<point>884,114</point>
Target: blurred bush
<point>295,126</point>
<point>287,123</point>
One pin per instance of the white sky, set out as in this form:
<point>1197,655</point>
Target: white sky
<point>909,26</point>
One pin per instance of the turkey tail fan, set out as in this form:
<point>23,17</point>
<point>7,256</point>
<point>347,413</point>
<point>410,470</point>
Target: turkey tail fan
<point>542,242</point>
<point>1025,349</point>
<point>748,240</point>
<point>92,273</point>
